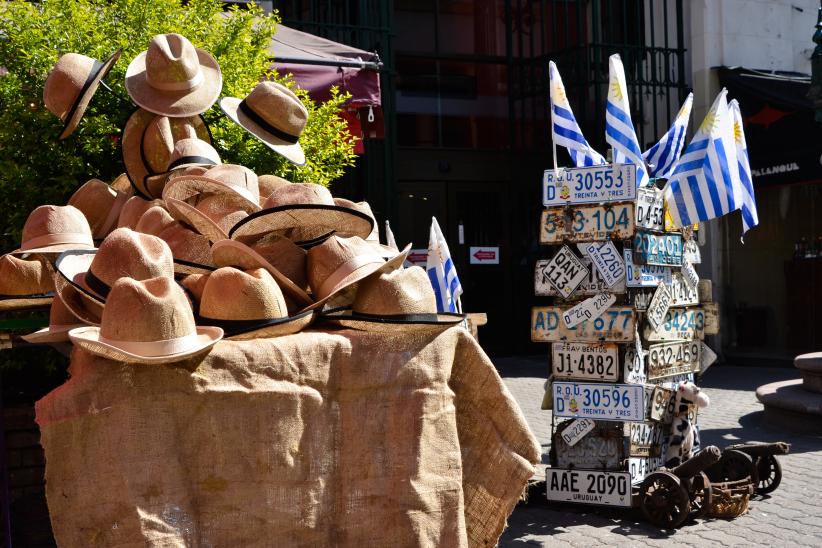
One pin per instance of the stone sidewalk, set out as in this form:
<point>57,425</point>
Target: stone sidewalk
<point>790,516</point>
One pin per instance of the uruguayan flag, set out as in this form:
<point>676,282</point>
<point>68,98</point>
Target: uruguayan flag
<point>619,130</point>
<point>705,182</point>
<point>442,272</point>
<point>663,155</point>
<point>750,218</point>
<point>564,128</point>
<point>389,237</point>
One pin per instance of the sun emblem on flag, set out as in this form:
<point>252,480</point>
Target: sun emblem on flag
<point>616,89</point>
<point>559,94</point>
<point>710,122</point>
<point>737,132</point>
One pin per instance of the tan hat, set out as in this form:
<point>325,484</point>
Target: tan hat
<point>268,184</point>
<point>248,305</point>
<point>194,284</point>
<point>189,157</point>
<point>173,78</point>
<point>395,301</point>
<point>53,229</point>
<point>337,264</point>
<point>303,212</point>
<point>71,84</point>
<point>191,251</point>
<point>25,283</point>
<point>212,215</point>
<point>61,321</point>
<point>147,322</point>
<point>273,114</point>
<point>134,208</point>
<point>122,184</point>
<point>101,204</point>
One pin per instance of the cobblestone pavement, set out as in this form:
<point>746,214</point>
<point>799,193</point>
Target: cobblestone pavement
<point>790,516</point>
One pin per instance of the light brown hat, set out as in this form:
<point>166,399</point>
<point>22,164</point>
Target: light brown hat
<point>194,284</point>
<point>189,157</point>
<point>71,84</point>
<point>173,78</point>
<point>61,321</point>
<point>223,179</point>
<point>248,305</point>
<point>274,115</point>
<point>133,210</point>
<point>337,264</point>
<point>395,301</point>
<point>147,322</point>
<point>25,283</point>
<point>101,204</point>
<point>191,251</point>
<point>212,215</point>
<point>122,184</point>
<point>303,212</point>
<point>268,184</point>
<point>53,229</point>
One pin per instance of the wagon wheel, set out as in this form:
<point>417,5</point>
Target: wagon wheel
<point>663,499</point>
<point>770,474</point>
<point>701,495</point>
<point>737,465</point>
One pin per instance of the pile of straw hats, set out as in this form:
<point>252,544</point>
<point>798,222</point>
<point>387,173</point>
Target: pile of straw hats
<point>183,250</point>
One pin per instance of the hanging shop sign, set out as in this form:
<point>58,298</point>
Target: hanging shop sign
<point>658,249</point>
<point>585,361</point>
<point>592,285</point>
<point>587,223</point>
<point>585,185</point>
<point>588,486</point>
<point>600,447</point>
<point>643,275</point>
<point>607,261</point>
<point>674,358</point>
<point>616,324</point>
<point>650,209</point>
<point>616,402</point>
<point>680,324</point>
<point>645,439</point>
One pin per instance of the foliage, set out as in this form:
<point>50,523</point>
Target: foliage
<point>36,168</point>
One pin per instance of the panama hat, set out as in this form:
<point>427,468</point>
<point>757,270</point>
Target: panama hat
<point>189,157</point>
<point>25,283</point>
<point>148,322</point>
<point>211,215</point>
<point>133,210</point>
<point>191,251</point>
<point>247,305</point>
<point>394,301</point>
<point>303,212</point>
<point>268,184</point>
<point>121,183</point>
<point>101,204</point>
<point>61,321</point>
<point>51,229</point>
<point>70,85</point>
<point>173,78</point>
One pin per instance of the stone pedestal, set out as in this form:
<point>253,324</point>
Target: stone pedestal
<point>796,404</point>
<point>810,365</point>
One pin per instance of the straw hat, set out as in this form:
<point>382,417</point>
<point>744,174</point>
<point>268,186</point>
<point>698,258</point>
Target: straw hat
<point>122,184</point>
<point>212,215</point>
<point>71,84</point>
<point>337,264</point>
<point>53,229</point>
<point>61,321</point>
<point>191,251</point>
<point>24,283</point>
<point>193,285</point>
<point>101,204</point>
<point>274,115</point>
<point>173,78</point>
<point>146,322</point>
<point>268,184</point>
<point>395,301</point>
<point>133,210</point>
<point>189,157</point>
<point>303,212</point>
<point>248,305</point>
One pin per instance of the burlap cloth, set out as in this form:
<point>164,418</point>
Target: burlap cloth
<point>324,438</point>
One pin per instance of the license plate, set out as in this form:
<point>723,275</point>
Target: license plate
<point>691,252</point>
<point>576,431</point>
<point>565,271</point>
<point>589,309</point>
<point>670,359</point>
<point>588,487</point>
<point>633,368</point>
<point>585,185</point>
<point>649,209</point>
<point>681,293</point>
<point>603,448</point>
<point>658,306</point>
<point>674,381</point>
<point>711,312</point>
<point>707,357</point>
<point>658,249</point>
<point>607,261</point>
<point>615,325</point>
<point>585,361</point>
<point>680,324</point>
<point>587,223</point>
<point>645,439</point>
<point>639,467</point>
<point>589,286</point>
<point>661,408</point>
<point>616,402</point>
<point>645,275</point>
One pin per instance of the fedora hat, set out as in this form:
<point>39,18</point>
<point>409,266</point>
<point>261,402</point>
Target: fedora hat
<point>212,215</point>
<point>268,184</point>
<point>303,212</point>
<point>70,85</point>
<point>121,183</point>
<point>336,265</point>
<point>191,251</point>
<point>61,321</point>
<point>101,204</point>
<point>189,157</point>
<point>394,301</point>
<point>149,322</point>
<point>25,283</point>
<point>173,78</point>
<point>133,210</point>
<point>273,114</point>
<point>51,229</point>
<point>248,305</point>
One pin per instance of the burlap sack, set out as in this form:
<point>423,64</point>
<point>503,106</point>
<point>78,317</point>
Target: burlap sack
<point>338,438</point>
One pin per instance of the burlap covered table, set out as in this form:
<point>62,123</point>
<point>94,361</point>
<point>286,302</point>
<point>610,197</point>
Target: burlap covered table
<point>333,437</point>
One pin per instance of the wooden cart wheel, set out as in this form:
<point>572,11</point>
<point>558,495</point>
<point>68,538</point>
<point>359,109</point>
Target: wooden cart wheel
<point>701,495</point>
<point>737,465</point>
<point>663,499</point>
<point>770,474</point>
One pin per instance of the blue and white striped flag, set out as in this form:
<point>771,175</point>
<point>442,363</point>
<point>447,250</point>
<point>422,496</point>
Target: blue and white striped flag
<point>619,130</point>
<point>442,272</point>
<point>750,218</point>
<point>663,155</point>
<point>564,128</point>
<point>705,182</point>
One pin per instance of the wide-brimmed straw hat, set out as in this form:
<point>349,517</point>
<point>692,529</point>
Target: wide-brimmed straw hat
<point>248,304</point>
<point>25,283</point>
<point>303,212</point>
<point>274,115</point>
<point>101,204</point>
<point>71,84</point>
<point>147,322</point>
<point>191,251</point>
<point>173,78</point>
<point>61,321</point>
<point>212,215</point>
<point>395,301</point>
<point>134,208</point>
<point>189,157</point>
<point>268,184</point>
<point>51,229</point>
<point>336,265</point>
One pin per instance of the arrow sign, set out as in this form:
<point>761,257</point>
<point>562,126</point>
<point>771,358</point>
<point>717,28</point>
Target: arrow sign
<point>418,256</point>
<point>484,255</point>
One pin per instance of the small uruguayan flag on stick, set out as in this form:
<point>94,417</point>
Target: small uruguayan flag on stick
<point>619,130</point>
<point>564,128</point>
<point>705,182</point>
<point>750,218</point>
<point>662,156</point>
<point>442,272</point>
<point>389,237</point>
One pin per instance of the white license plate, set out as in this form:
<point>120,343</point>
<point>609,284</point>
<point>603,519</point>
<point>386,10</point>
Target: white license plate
<point>588,487</point>
<point>634,367</point>
<point>658,249</point>
<point>674,358</point>
<point>565,271</point>
<point>615,325</point>
<point>587,223</point>
<point>659,305</point>
<point>585,361</point>
<point>681,293</point>
<point>650,209</point>
<point>585,185</point>
<point>591,285</point>
<point>680,324</point>
<point>577,430</point>
<point>645,275</point>
<point>615,402</point>
<point>645,439</point>
<point>589,309</point>
<point>639,467</point>
<point>607,261</point>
